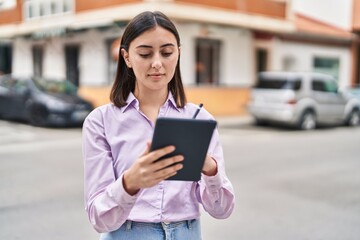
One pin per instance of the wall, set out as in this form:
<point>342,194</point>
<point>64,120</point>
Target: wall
<point>334,12</point>
<point>84,5</point>
<point>236,68</point>
<point>304,54</point>
<point>356,15</point>
<point>276,9</point>
<point>93,59</point>
<point>236,64</point>
<point>12,15</point>
<point>218,101</point>
<point>22,57</point>
<point>54,59</point>
<point>237,60</point>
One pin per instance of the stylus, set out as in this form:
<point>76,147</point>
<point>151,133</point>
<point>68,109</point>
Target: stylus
<point>197,110</point>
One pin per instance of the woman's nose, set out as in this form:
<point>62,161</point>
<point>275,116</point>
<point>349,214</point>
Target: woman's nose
<point>156,63</point>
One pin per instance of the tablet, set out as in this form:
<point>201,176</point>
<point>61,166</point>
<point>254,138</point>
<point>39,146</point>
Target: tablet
<point>191,138</point>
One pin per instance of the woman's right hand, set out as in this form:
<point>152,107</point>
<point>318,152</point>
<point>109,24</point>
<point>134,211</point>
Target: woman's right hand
<point>145,172</point>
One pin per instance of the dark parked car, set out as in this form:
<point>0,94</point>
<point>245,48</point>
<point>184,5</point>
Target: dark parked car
<point>42,102</point>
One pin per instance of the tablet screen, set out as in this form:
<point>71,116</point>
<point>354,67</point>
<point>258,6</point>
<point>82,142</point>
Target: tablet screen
<point>191,138</point>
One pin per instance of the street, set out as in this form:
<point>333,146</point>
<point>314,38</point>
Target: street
<point>288,184</point>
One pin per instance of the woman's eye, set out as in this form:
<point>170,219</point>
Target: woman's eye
<point>166,54</point>
<point>145,55</point>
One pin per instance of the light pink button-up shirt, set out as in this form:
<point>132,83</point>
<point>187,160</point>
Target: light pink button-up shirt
<point>113,138</point>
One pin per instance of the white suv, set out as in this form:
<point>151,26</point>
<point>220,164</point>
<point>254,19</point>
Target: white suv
<point>302,99</point>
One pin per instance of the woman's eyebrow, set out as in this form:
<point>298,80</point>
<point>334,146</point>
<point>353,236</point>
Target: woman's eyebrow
<point>162,46</point>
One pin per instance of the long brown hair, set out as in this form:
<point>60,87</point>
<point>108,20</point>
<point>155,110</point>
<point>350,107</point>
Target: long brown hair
<point>125,78</point>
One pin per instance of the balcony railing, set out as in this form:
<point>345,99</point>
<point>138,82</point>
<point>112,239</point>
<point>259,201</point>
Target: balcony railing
<point>34,9</point>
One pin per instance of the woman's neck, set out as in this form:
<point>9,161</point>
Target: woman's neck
<point>150,102</point>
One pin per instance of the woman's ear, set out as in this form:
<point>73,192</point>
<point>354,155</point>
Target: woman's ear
<point>125,55</point>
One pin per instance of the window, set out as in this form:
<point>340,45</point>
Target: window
<point>273,83</point>
<point>72,53</point>
<point>327,65</point>
<point>112,46</point>
<point>324,86</point>
<point>5,58</point>
<point>42,8</point>
<point>261,59</point>
<point>7,4</point>
<point>38,53</point>
<point>207,61</point>
<point>318,85</point>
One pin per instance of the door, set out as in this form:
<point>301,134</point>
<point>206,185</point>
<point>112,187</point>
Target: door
<point>261,59</point>
<point>5,59</point>
<point>13,95</point>
<point>331,103</point>
<point>38,54</point>
<point>72,63</point>
<point>207,61</point>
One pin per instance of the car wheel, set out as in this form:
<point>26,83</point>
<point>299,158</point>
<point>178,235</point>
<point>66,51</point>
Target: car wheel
<point>38,115</point>
<point>307,121</point>
<point>260,122</point>
<point>354,118</point>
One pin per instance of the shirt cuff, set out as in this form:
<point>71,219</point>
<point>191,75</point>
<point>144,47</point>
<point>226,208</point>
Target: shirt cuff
<point>119,194</point>
<point>213,183</point>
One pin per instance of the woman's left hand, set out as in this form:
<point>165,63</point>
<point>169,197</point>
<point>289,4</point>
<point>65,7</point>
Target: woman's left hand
<point>210,166</point>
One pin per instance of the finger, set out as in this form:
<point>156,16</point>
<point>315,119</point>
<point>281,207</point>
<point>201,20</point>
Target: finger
<point>170,175</point>
<point>156,154</point>
<point>167,172</point>
<point>168,162</point>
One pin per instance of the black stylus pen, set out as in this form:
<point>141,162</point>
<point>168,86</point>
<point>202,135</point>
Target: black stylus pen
<point>197,110</point>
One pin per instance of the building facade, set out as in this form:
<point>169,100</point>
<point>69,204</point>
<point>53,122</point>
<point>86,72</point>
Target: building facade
<point>223,44</point>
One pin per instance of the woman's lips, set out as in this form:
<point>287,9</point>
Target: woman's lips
<point>156,75</point>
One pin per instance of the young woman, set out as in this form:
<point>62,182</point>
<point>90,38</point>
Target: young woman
<point>125,192</point>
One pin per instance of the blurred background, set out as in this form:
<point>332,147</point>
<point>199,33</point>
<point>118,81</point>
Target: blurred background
<point>66,51</point>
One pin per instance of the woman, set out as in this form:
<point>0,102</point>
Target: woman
<point>125,192</point>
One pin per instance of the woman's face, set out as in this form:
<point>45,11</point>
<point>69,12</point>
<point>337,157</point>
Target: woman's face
<point>153,56</point>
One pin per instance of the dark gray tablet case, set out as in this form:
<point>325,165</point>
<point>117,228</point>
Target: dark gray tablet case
<point>191,137</point>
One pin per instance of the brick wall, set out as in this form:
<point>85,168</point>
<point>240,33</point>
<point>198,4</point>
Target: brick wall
<point>276,9</point>
<point>12,15</point>
<point>84,5</point>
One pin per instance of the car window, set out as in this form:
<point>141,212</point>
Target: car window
<point>7,82</point>
<point>278,83</point>
<point>324,86</point>
<point>18,86</point>
<point>55,86</point>
<point>331,86</point>
<point>318,85</point>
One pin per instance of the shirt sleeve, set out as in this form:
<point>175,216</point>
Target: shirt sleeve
<point>107,203</point>
<point>216,192</point>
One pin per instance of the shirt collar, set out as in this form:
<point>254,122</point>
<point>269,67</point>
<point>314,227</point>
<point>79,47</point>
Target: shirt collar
<point>132,101</point>
<point>171,100</point>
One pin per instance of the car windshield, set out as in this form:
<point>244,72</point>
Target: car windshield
<point>278,83</point>
<point>55,86</point>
